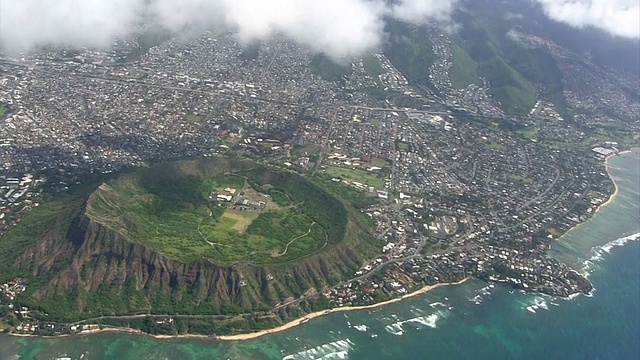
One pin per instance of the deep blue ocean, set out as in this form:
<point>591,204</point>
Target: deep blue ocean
<point>475,320</point>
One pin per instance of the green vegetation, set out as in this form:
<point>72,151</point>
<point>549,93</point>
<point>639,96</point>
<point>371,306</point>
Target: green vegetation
<point>605,131</point>
<point>514,93</point>
<point>465,70</point>
<point>493,145</point>
<point>377,92</point>
<point>278,197</point>
<point>488,45</point>
<point>519,178</point>
<point>251,51</point>
<point>529,132</point>
<point>410,51</point>
<point>542,68</point>
<point>175,216</point>
<point>554,232</point>
<point>358,175</point>
<point>510,68</point>
<point>328,69</point>
<point>357,198</point>
<point>192,118</point>
<point>482,48</point>
<point>3,109</point>
<point>152,36</point>
<point>403,145</point>
<point>379,162</point>
<point>373,68</point>
<point>51,218</point>
<point>597,135</point>
<point>310,201</point>
<point>167,208</point>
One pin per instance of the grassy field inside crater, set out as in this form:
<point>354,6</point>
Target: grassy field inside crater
<point>271,218</point>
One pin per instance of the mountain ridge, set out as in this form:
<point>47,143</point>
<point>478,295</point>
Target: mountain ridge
<point>90,270</point>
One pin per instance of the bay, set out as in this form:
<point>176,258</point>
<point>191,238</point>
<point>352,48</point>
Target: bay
<point>475,320</point>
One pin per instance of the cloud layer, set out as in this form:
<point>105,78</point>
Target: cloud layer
<point>37,22</point>
<point>617,17</point>
<point>336,27</point>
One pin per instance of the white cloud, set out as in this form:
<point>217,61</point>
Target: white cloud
<point>336,27</point>
<point>37,22</point>
<point>617,17</point>
<point>419,11</point>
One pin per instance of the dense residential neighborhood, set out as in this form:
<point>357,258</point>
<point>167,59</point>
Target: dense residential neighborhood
<point>454,187</point>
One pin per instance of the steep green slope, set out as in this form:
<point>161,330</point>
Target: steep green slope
<point>528,16</point>
<point>410,51</point>
<point>484,42</point>
<point>517,75</point>
<point>464,71</point>
<point>541,68</point>
<point>485,25</point>
<point>328,69</point>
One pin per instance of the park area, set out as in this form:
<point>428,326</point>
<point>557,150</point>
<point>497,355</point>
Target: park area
<point>362,176</point>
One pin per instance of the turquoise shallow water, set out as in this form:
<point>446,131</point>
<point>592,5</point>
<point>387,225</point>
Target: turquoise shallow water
<point>471,321</point>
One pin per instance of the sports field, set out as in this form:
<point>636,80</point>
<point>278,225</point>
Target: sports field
<point>358,175</point>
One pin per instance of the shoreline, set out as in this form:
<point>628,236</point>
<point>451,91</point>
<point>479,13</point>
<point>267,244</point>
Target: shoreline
<point>571,258</point>
<point>253,335</point>
<point>303,319</point>
<point>310,316</point>
<point>615,184</point>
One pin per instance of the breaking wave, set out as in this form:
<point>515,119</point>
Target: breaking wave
<point>362,328</point>
<point>538,303</point>
<point>333,350</point>
<point>481,294</point>
<point>620,242</point>
<point>598,252</point>
<point>397,328</point>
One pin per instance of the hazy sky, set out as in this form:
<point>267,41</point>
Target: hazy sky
<point>336,27</point>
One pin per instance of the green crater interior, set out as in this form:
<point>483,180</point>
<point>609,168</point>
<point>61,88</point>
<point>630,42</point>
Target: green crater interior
<point>175,209</point>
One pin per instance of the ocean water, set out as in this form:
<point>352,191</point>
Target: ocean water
<point>475,320</point>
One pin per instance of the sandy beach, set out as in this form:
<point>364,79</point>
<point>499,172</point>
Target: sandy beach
<point>296,322</point>
<point>249,336</point>
<point>615,192</point>
<point>120,330</point>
